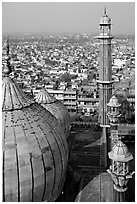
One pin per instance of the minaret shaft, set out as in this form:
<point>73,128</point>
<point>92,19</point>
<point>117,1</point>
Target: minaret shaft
<point>105,69</point>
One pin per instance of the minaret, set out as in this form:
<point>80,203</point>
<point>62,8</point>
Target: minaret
<point>105,70</point>
<point>119,154</point>
<point>119,170</point>
<point>113,114</point>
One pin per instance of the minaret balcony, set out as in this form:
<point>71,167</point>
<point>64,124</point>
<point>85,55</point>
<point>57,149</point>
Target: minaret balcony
<point>120,181</point>
<point>113,114</point>
<point>105,82</point>
<point>105,36</point>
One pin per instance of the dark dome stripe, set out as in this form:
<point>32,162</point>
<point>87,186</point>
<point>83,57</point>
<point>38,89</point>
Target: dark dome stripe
<point>3,96</point>
<point>53,121</point>
<point>55,173</point>
<point>54,160</point>
<point>60,152</point>
<point>21,124</point>
<point>15,100</point>
<point>3,181</point>
<point>53,130</point>
<point>59,138</point>
<point>32,177</point>
<point>3,166</point>
<point>12,155</point>
<point>64,145</point>
<point>50,145</point>
<point>9,96</point>
<point>32,157</point>
<point>62,163</point>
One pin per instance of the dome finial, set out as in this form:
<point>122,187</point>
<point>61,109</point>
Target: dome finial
<point>7,47</point>
<point>105,12</point>
<point>115,92</point>
<point>7,69</point>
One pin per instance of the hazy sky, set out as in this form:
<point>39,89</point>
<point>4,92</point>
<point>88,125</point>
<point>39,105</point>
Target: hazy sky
<point>66,16</point>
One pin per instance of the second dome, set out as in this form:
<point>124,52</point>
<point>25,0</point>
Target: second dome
<point>56,108</point>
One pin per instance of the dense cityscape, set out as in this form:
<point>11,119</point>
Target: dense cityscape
<point>68,67</point>
<point>68,116</point>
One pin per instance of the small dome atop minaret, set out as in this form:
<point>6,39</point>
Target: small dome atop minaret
<point>56,108</point>
<point>105,20</point>
<point>120,152</point>
<point>113,102</point>
<point>35,151</point>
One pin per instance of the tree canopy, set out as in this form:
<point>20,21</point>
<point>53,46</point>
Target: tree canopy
<point>66,77</point>
<point>127,111</point>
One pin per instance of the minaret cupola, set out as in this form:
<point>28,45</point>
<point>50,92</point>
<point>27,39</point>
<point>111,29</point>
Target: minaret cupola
<point>105,25</point>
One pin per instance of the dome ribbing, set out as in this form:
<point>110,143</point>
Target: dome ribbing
<point>34,149</point>
<point>120,152</point>
<point>113,102</point>
<point>13,97</point>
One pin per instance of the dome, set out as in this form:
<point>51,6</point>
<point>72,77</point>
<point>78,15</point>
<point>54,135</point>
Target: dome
<point>34,148</point>
<point>113,102</point>
<point>56,108</point>
<point>100,189</point>
<point>120,152</point>
<point>120,148</point>
<point>105,19</point>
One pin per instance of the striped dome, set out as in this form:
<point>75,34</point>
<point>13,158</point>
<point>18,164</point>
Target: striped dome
<point>120,148</point>
<point>105,19</point>
<point>113,102</point>
<point>120,152</point>
<point>34,149</point>
<point>56,108</point>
